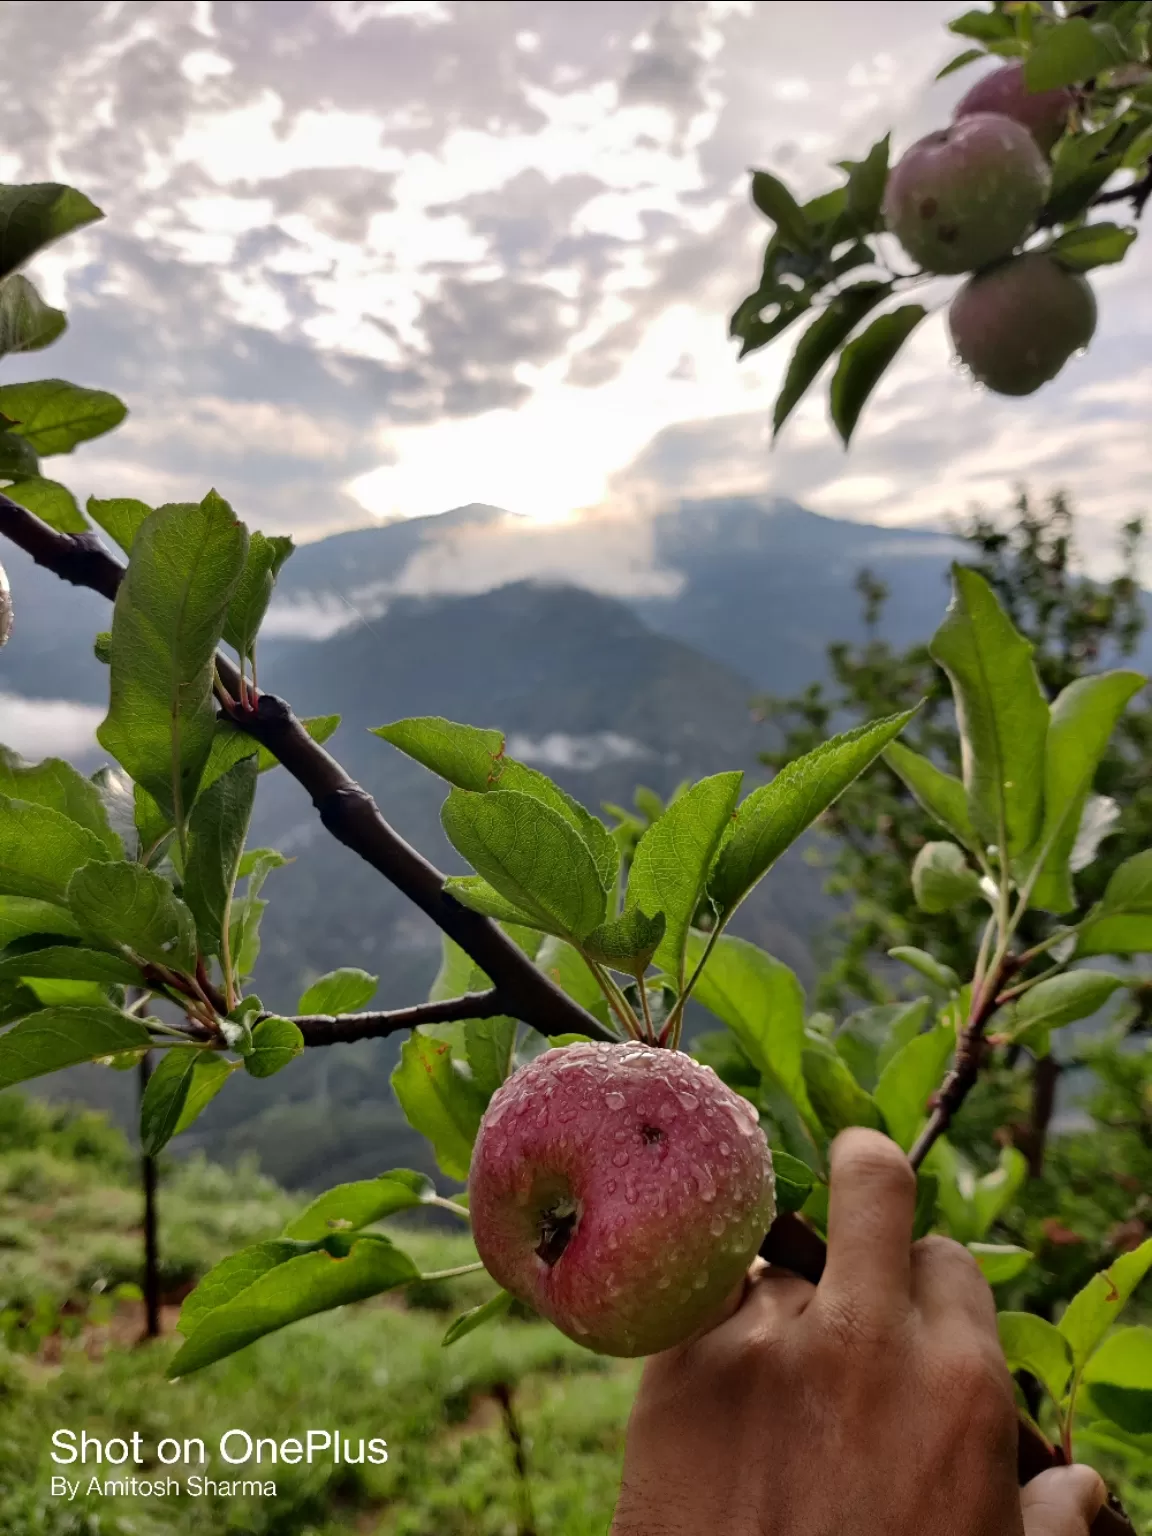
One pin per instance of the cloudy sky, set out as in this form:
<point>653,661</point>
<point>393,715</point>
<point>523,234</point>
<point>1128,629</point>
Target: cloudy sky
<point>377,258</point>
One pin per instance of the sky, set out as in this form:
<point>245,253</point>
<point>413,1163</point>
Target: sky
<point>378,258</point>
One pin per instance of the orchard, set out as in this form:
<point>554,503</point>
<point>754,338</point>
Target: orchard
<point>616,1185</point>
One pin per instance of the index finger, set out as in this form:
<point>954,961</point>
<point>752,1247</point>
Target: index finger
<point>871,1211</point>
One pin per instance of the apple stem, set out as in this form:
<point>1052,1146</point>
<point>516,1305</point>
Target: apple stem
<point>450,1274</point>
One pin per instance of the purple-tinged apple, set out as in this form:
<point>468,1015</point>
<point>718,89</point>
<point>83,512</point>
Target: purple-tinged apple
<point>1016,325</point>
<point>1043,113</point>
<point>966,195</point>
<point>621,1191</point>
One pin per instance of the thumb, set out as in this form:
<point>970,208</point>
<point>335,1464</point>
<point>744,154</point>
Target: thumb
<point>1063,1501</point>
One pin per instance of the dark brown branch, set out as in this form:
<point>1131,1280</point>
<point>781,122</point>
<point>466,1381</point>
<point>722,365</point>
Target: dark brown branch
<point>347,810</point>
<point>1138,191</point>
<point>793,1244</point>
<point>1045,1076</point>
<point>965,1069</point>
<point>341,1029</point>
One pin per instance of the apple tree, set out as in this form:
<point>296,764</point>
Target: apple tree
<point>1007,195</point>
<point>547,1069</point>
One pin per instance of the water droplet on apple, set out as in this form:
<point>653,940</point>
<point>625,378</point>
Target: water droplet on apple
<point>542,1118</point>
<point>614,1100</point>
<point>688,1101</point>
<point>663,1283</point>
<point>620,1159</point>
<point>725,1149</point>
<point>700,1281</point>
<point>704,1134</point>
<point>611,1186</point>
<point>621,1136</point>
<point>630,1190</point>
<point>717,1225</point>
<point>569,1114</point>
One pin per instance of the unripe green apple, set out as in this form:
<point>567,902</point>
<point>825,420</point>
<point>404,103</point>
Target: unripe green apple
<point>1043,113</point>
<point>621,1191</point>
<point>1016,325</point>
<point>966,195</point>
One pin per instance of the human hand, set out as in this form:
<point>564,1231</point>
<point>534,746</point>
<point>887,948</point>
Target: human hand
<point>877,1403</point>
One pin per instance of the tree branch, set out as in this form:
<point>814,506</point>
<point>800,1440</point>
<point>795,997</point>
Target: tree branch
<point>341,1029</point>
<point>965,1069</point>
<point>1139,191</point>
<point>346,810</point>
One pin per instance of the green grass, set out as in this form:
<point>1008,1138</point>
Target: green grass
<point>69,1234</point>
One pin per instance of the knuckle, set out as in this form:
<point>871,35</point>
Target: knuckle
<point>938,1249</point>
<point>846,1331</point>
<point>975,1377</point>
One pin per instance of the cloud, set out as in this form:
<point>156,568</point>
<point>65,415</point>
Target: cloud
<point>584,754</point>
<point>37,728</point>
<point>388,257</point>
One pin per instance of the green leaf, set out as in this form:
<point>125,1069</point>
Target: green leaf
<point>275,1042</point>
<point>1092,245</point>
<point>121,518</point>
<point>773,816</point>
<point>26,323</point>
<point>255,867</point>
<point>933,970</point>
<point>488,1047</point>
<point>942,878</point>
<point>1116,936</point>
<point>132,911</point>
<point>626,943</point>
<point>210,1071</point>
<point>600,842</point>
<point>474,892</point>
<point>1120,1374</point>
<point>864,361</point>
<point>1070,53</point>
<point>51,502</point>
<point>169,616</point>
<point>984,26</point>
<point>995,1191</point>
<point>41,848</point>
<point>1032,1344</point>
<point>18,459</point>
<point>566,968</point>
<point>869,1038</point>
<point>297,1286</point>
<point>344,991</point>
<point>910,1079</point>
<point>961,61</point>
<point>762,1003</point>
<point>33,215</point>
<point>1001,711</point>
<point>476,1317</point>
<point>165,1097</point>
<point>230,745</point>
<point>438,1101</point>
<point>531,855</point>
<point>1000,1262</point>
<point>1129,890</point>
<point>465,755</point>
<point>53,415</point>
<point>65,1036</point>
<point>1058,1001</point>
<point>941,795</point>
<point>1094,1308</point>
<point>253,593</point>
<point>351,1206</point>
<point>830,329</point>
<point>673,857</point>
<point>22,916</point>
<point>924,1215</point>
<point>794,1181</point>
<point>57,785</point>
<point>69,962</point>
<point>865,192</point>
<point>775,202</point>
<point>1081,722</point>
<point>217,829</point>
<point>836,1096</point>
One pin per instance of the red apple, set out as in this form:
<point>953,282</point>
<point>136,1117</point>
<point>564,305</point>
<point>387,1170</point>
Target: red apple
<point>966,195</point>
<point>1043,113</point>
<point>621,1191</point>
<point>1016,325</point>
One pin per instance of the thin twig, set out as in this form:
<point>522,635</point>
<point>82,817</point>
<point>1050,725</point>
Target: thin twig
<point>341,1029</point>
<point>346,810</point>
